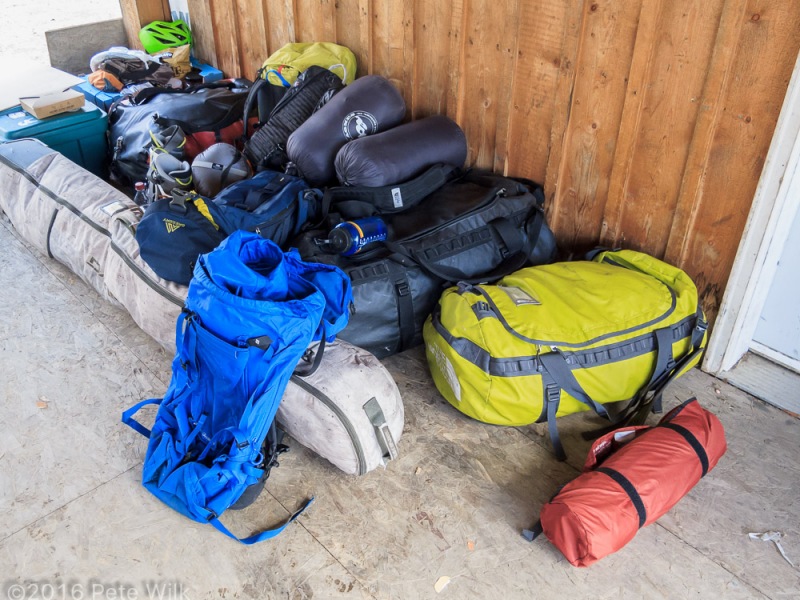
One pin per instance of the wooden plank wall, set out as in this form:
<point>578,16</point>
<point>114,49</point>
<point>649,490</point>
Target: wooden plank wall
<point>136,13</point>
<point>648,121</point>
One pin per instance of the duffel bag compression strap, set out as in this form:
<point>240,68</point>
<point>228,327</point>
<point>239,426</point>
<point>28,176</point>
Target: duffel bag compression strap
<point>557,377</point>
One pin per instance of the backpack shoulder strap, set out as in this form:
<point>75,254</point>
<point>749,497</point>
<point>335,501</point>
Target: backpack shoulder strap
<point>252,97</point>
<point>261,536</point>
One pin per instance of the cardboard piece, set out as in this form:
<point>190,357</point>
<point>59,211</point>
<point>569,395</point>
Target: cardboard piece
<point>49,105</point>
<point>26,79</point>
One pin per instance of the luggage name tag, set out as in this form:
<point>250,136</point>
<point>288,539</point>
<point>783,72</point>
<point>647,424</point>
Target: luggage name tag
<point>113,208</point>
<point>518,296</point>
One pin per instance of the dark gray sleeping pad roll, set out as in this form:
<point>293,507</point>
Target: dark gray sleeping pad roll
<point>367,106</point>
<point>401,153</point>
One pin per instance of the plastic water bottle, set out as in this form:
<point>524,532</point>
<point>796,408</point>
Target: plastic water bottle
<point>140,197</point>
<point>350,237</point>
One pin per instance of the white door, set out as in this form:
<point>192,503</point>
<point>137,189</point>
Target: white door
<point>777,334</point>
<point>755,341</point>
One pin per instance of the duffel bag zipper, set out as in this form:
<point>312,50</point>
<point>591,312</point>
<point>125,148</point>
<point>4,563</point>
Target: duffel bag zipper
<point>556,344</point>
<point>343,419</point>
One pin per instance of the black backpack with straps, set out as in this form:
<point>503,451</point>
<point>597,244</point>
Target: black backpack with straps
<point>266,148</point>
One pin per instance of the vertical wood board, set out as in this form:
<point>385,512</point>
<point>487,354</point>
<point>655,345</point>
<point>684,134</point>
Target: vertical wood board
<point>681,54</point>
<point>751,105</point>
<point>315,20</point>
<point>538,60</point>
<point>137,13</point>
<point>252,28</point>
<point>601,81</point>
<point>226,36</point>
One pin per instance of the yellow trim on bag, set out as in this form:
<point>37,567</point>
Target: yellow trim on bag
<point>203,209</point>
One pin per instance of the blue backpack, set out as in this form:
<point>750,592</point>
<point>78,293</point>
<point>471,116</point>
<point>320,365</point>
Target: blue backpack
<point>251,312</point>
<point>174,231</point>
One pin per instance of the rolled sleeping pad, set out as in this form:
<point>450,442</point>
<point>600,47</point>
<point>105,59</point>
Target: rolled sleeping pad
<point>367,106</point>
<point>401,153</point>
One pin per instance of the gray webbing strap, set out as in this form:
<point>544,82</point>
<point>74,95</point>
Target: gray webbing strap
<point>558,377</point>
<point>665,363</point>
<point>555,364</point>
<point>382,433</point>
<point>361,201</point>
<point>405,304</point>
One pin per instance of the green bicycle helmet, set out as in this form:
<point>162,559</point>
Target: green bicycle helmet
<point>160,35</point>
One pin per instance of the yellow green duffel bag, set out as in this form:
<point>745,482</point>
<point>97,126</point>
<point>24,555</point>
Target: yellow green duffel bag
<point>553,340</point>
<point>285,64</point>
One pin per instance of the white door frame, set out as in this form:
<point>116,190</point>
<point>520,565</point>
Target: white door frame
<point>765,234</point>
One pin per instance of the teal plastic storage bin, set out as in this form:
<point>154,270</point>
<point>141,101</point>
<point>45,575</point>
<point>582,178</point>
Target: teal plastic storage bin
<point>80,135</point>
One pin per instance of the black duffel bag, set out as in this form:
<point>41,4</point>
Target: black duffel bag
<point>390,301</point>
<point>478,227</point>
<point>206,114</point>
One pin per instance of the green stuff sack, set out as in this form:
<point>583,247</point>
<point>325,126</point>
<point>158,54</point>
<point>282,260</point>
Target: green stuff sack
<point>284,65</point>
<point>552,340</point>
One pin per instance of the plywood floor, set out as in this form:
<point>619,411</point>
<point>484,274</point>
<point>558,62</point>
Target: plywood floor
<point>73,514</point>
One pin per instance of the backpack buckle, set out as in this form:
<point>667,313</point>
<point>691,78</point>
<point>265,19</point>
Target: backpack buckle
<point>403,289</point>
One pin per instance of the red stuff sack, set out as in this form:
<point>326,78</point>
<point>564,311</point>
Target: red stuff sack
<point>631,478</point>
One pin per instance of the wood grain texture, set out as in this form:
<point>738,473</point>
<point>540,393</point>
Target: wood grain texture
<point>488,55</point>
<point>432,29</point>
<point>203,44</point>
<point>137,13</point>
<point>223,15</point>
<point>315,20</point>
<point>280,24</point>
<point>601,81</point>
<point>711,107</point>
<point>681,52</point>
<point>533,93</point>
<point>252,27</point>
<point>562,106</point>
<point>767,48</point>
<point>633,108</point>
<point>354,30</point>
<point>647,121</point>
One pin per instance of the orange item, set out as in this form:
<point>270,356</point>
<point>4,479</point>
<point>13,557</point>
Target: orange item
<point>105,81</point>
<point>632,477</point>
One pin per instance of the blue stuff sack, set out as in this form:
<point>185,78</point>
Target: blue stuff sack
<point>251,312</point>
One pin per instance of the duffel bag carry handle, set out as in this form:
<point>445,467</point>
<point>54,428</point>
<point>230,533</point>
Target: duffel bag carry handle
<point>361,201</point>
<point>312,365</point>
<point>189,128</point>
